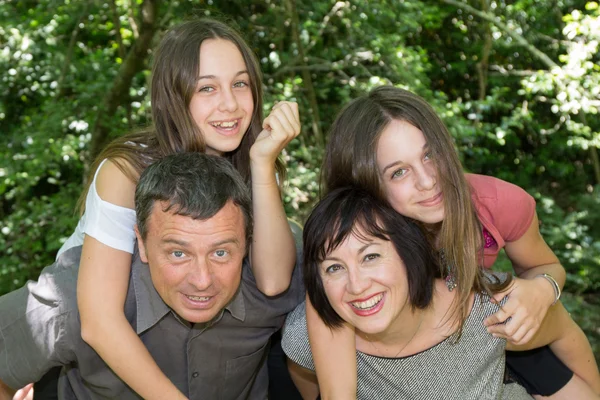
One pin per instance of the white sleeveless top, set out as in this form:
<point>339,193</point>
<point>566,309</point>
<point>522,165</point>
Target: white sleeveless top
<point>106,222</point>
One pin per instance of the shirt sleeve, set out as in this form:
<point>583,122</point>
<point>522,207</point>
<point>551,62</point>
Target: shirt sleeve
<point>295,338</point>
<point>515,210</point>
<point>33,330</point>
<point>108,223</point>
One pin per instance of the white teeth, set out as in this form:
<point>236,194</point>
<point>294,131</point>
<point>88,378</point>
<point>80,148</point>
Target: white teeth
<point>224,124</point>
<point>365,305</point>
<point>197,298</point>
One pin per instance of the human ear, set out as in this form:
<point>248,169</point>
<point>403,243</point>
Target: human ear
<point>141,245</point>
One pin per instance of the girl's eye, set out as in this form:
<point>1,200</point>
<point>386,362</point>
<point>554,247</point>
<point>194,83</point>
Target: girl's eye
<point>241,84</point>
<point>370,257</point>
<point>333,268</point>
<point>178,254</point>
<point>399,173</point>
<point>427,156</point>
<point>206,89</point>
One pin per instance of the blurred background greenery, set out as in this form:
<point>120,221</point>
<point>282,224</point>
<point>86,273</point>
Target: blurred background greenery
<point>517,82</point>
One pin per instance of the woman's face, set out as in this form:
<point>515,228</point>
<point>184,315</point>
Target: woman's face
<point>222,103</point>
<point>365,282</point>
<point>408,173</point>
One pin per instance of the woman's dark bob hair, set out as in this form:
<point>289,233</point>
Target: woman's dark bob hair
<point>350,210</point>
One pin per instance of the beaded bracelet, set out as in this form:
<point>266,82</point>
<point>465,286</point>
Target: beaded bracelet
<point>554,284</point>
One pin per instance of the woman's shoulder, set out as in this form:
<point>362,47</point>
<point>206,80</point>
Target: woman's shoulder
<point>484,186</point>
<point>294,341</point>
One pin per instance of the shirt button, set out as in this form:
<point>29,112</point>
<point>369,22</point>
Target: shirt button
<point>195,375</point>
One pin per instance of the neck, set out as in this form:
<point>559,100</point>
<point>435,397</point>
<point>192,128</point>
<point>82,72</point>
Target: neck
<point>404,330</point>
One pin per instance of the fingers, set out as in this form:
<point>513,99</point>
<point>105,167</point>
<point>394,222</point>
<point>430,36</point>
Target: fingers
<point>286,113</point>
<point>499,317</point>
<point>25,393</point>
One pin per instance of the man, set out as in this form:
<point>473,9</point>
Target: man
<point>192,298</point>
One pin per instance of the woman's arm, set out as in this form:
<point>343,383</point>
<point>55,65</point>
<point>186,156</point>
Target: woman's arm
<point>530,295</point>
<point>273,252</point>
<point>334,355</point>
<point>101,291</point>
<point>305,380</point>
<point>568,343</point>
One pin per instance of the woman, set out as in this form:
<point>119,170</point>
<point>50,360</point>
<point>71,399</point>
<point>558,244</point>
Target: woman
<point>393,144</point>
<point>206,96</point>
<point>368,266</point>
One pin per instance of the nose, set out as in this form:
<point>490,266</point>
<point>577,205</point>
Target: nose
<point>358,282</point>
<point>228,101</point>
<point>425,177</point>
<point>200,276</point>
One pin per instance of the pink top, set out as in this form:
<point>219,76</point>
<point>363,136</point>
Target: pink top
<point>505,211</point>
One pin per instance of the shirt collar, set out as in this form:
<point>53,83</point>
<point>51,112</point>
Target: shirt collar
<point>150,307</point>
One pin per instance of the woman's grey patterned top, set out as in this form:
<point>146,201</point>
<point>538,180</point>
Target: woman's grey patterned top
<point>472,368</point>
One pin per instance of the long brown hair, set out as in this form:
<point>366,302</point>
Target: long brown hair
<point>174,74</point>
<point>351,158</point>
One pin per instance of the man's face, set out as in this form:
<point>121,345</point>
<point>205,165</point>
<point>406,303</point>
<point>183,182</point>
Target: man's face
<point>195,265</point>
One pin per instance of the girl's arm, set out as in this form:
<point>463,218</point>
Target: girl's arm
<point>273,252</point>
<point>530,295</point>
<point>334,355</point>
<point>101,291</point>
<point>568,343</point>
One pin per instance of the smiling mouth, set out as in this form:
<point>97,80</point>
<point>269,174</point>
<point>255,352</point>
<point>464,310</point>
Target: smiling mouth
<point>432,200</point>
<point>367,304</point>
<point>198,298</point>
<point>227,125</point>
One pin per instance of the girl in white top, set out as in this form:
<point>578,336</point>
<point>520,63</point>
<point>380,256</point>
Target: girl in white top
<point>206,96</point>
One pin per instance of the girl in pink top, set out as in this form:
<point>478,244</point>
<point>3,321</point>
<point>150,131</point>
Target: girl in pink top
<point>392,143</point>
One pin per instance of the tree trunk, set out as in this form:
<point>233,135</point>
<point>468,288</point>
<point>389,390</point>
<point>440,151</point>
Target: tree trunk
<point>483,65</point>
<point>134,63</point>
<point>306,78</point>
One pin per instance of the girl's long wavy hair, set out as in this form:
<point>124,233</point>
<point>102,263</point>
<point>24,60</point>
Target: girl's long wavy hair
<point>174,75</point>
<point>351,159</point>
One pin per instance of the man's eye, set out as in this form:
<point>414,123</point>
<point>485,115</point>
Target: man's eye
<point>178,254</point>
<point>221,253</point>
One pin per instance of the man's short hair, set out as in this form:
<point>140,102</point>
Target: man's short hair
<point>194,185</point>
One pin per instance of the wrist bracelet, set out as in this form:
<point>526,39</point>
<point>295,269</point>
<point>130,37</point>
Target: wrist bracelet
<point>554,284</point>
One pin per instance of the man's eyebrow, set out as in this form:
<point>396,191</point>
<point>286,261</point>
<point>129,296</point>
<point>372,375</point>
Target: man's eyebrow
<point>227,241</point>
<point>181,243</point>
<point>215,77</point>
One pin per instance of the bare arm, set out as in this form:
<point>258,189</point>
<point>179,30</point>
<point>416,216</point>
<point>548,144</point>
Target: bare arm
<point>304,379</point>
<point>273,252</point>
<point>334,355</point>
<point>6,393</point>
<point>530,295</point>
<point>568,343</point>
<point>101,291</point>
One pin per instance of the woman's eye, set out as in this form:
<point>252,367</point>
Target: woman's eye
<point>206,89</point>
<point>427,156</point>
<point>370,257</point>
<point>399,173</point>
<point>178,254</point>
<point>333,268</point>
<point>240,84</point>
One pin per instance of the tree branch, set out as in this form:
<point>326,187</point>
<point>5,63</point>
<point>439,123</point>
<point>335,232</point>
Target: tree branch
<point>132,64</point>
<point>547,61</point>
